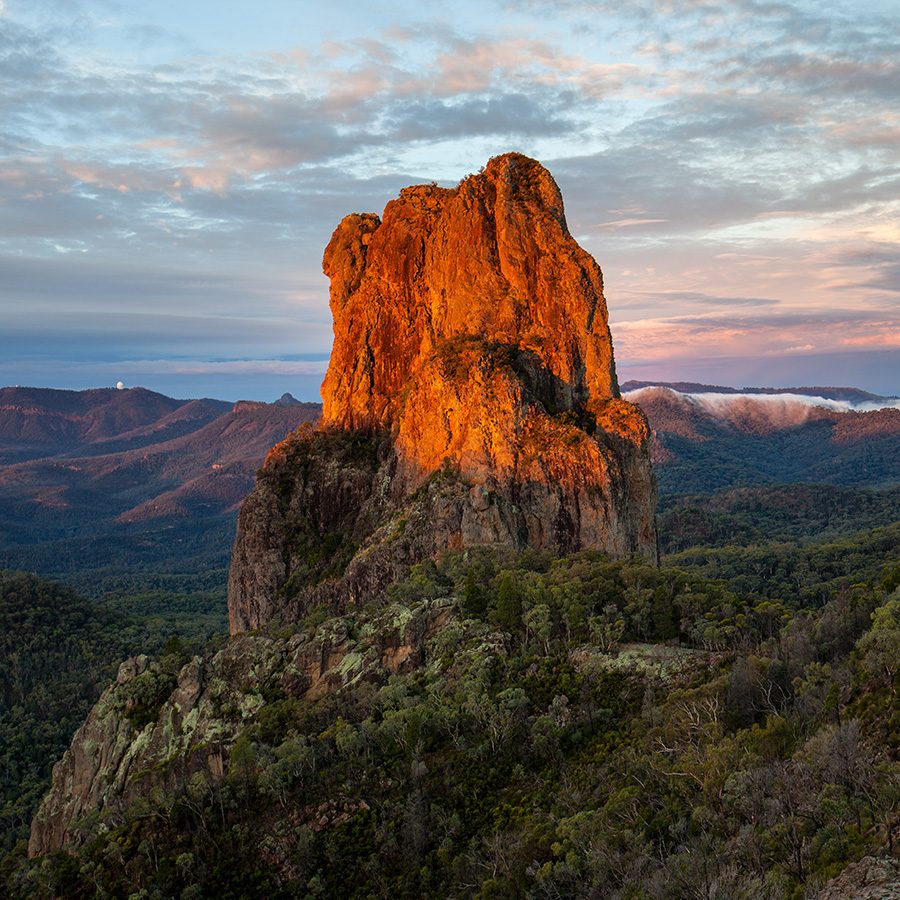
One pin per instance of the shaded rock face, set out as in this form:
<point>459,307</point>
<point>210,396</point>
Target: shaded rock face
<point>114,762</point>
<point>473,372</point>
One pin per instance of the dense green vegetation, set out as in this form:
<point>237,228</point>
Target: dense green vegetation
<point>172,580</point>
<point>808,572</point>
<point>805,454</point>
<point>594,728</point>
<point>316,555</point>
<point>581,728</point>
<point>57,652</point>
<point>742,517</point>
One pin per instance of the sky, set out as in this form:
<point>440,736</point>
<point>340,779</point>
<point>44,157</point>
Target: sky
<point>170,174</point>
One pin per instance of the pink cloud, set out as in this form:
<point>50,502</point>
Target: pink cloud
<point>206,179</point>
<point>121,178</point>
<point>890,337</point>
<point>626,223</point>
<point>782,333</point>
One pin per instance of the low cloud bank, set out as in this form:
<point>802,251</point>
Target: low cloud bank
<point>773,410</point>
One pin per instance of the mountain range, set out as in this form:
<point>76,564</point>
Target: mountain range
<point>707,438</point>
<point>103,472</point>
<point>133,474</point>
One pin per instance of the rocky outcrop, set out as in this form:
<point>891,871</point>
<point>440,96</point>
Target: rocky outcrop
<point>154,731</point>
<point>872,878</point>
<point>471,399</point>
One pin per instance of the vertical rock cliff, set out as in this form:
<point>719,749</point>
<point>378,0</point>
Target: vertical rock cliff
<point>471,400</point>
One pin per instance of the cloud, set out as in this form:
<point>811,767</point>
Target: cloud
<point>627,223</point>
<point>732,167</point>
<point>874,267</point>
<point>685,298</point>
<point>141,367</point>
<point>775,411</point>
<point>503,114</point>
<point>265,119</point>
<point>757,335</point>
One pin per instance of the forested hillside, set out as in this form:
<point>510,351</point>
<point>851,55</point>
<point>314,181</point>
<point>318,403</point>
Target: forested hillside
<point>742,517</point>
<point>708,439</point>
<point>574,727</point>
<point>58,651</point>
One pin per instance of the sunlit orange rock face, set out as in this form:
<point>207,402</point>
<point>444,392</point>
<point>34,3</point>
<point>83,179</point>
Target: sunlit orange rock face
<point>470,340</point>
<point>492,259</point>
<point>470,322</point>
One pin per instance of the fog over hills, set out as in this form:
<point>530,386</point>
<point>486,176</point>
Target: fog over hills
<point>850,394</point>
<point>770,411</point>
<point>708,438</point>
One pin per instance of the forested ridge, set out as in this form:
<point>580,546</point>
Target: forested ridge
<point>724,726</point>
<point>57,652</point>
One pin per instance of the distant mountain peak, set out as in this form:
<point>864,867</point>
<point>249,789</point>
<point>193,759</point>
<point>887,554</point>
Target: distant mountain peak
<point>287,399</point>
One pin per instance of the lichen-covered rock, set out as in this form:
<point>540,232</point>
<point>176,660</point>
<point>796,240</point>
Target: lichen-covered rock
<point>872,878</point>
<point>154,731</point>
<point>471,399</point>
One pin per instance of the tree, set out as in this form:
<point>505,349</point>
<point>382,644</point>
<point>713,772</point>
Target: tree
<point>880,645</point>
<point>607,629</point>
<point>474,596</point>
<point>539,625</point>
<point>508,612</point>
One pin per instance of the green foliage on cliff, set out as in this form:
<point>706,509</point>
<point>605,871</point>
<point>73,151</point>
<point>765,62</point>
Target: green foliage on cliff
<point>57,653</point>
<point>456,355</point>
<point>318,546</point>
<point>142,697</point>
<point>581,728</point>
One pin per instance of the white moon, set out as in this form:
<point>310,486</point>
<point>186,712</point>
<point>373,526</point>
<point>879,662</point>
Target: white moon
<point>120,385</point>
